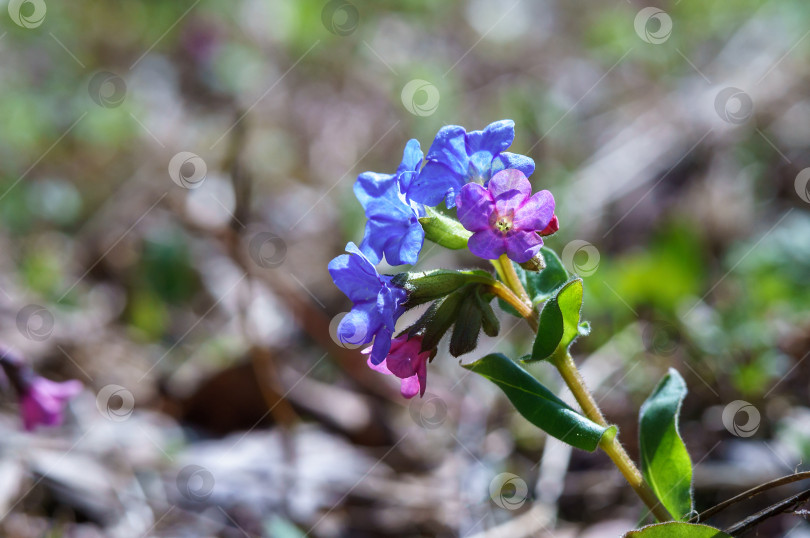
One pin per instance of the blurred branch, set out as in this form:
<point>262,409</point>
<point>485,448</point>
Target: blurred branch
<point>788,505</point>
<point>751,493</point>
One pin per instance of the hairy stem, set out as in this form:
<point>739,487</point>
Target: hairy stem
<point>609,442</point>
<point>520,300</point>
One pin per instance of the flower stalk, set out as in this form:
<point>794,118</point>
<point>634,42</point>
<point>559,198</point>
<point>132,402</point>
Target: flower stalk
<point>576,384</point>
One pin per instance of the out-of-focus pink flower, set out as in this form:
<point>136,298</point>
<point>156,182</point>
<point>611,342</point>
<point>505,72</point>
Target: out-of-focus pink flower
<point>43,401</point>
<point>407,361</point>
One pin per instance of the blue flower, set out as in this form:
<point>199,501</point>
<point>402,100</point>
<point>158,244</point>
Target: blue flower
<point>457,157</point>
<point>377,302</point>
<point>393,225</point>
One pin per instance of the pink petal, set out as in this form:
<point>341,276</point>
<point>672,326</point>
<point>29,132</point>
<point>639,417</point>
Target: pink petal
<point>487,244</point>
<point>522,246</point>
<point>475,205</point>
<point>509,180</point>
<point>536,213</point>
<point>409,386</point>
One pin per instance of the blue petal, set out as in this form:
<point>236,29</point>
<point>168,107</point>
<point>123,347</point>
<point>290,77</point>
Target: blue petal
<point>381,347</point>
<point>512,160</point>
<point>411,163</point>
<point>495,137</point>
<point>355,275</point>
<point>450,148</point>
<point>371,185</point>
<point>480,165</point>
<point>435,183</point>
<point>405,246</point>
<point>359,325</point>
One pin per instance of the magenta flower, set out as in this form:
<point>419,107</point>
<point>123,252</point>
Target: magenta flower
<point>504,216</point>
<point>44,401</point>
<point>407,361</point>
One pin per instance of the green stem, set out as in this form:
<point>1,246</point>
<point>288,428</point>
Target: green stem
<point>519,300</point>
<point>609,442</point>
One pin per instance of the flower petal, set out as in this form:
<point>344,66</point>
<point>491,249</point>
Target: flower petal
<point>355,275</point>
<point>522,246</point>
<point>405,248</point>
<point>370,185</point>
<point>507,160</point>
<point>475,206</point>
<point>381,368</point>
<point>436,182</point>
<point>359,325</point>
<point>536,213</point>
<point>410,386</point>
<point>495,137</point>
<point>382,344</point>
<point>487,244</point>
<point>411,163</point>
<point>450,148</point>
<point>509,180</point>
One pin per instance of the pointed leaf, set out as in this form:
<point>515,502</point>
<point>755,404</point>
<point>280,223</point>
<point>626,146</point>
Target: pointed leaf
<point>559,322</point>
<point>444,230</point>
<point>467,328</point>
<point>538,404</point>
<point>676,529</point>
<point>665,461</point>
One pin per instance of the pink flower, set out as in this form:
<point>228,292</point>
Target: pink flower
<point>43,401</point>
<point>504,216</point>
<point>407,361</point>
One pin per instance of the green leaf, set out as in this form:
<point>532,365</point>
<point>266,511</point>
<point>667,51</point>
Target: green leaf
<point>538,404</point>
<point>489,321</point>
<point>428,286</point>
<point>468,325</point>
<point>665,461</point>
<point>442,314</point>
<point>540,286</point>
<point>676,529</point>
<point>559,322</point>
<point>444,230</point>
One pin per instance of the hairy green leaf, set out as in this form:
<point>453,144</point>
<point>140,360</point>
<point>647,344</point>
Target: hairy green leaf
<point>538,404</point>
<point>665,461</point>
<point>444,230</point>
<point>676,529</point>
<point>559,322</point>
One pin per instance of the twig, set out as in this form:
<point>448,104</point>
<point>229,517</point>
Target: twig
<point>788,505</point>
<point>750,494</point>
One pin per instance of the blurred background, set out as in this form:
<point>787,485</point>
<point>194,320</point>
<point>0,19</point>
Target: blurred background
<point>175,177</point>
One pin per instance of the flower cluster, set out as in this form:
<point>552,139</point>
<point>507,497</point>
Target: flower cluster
<point>467,181</point>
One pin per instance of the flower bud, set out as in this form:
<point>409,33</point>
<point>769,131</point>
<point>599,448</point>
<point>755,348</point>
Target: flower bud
<point>552,227</point>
